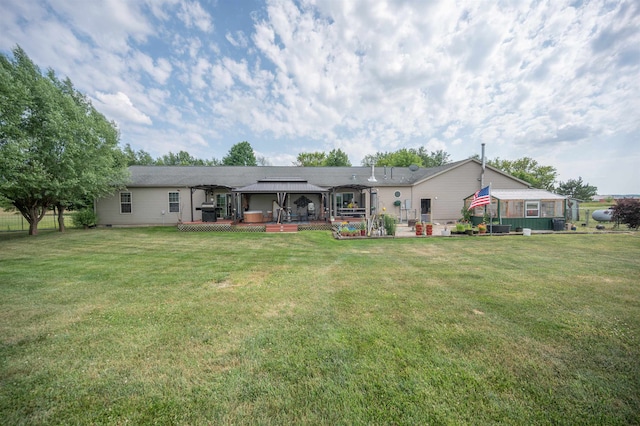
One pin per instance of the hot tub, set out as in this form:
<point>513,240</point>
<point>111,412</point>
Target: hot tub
<point>253,216</point>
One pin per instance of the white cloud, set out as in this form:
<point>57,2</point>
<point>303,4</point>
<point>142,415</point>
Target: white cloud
<point>526,78</point>
<point>119,107</point>
<point>237,40</point>
<point>110,23</point>
<point>192,14</point>
<point>160,70</point>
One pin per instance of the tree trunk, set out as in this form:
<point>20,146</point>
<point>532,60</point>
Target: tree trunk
<point>60,218</point>
<point>33,227</point>
<point>34,215</point>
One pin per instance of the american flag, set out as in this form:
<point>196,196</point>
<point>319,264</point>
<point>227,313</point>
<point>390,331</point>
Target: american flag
<point>481,198</point>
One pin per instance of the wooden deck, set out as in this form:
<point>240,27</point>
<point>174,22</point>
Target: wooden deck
<point>225,225</point>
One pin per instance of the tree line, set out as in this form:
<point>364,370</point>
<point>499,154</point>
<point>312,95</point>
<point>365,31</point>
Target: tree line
<point>58,152</point>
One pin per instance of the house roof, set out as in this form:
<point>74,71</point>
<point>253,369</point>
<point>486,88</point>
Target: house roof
<point>241,176</point>
<point>232,177</point>
<point>525,194</point>
<point>281,185</point>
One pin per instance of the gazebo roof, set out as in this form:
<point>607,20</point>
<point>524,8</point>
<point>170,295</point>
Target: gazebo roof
<point>274,185</point>
<point>525,194</point>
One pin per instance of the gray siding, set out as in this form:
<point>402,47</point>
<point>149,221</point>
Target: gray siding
<point>148,205</point>
<point>451,187</point>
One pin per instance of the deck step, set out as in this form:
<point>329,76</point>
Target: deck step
<point>281,227</point>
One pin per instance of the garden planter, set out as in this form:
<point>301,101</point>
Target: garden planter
<point>499,229</point>
<point>419,229</point>
<point>429,229</point>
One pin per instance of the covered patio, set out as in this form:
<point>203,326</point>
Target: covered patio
<point>280,200</point>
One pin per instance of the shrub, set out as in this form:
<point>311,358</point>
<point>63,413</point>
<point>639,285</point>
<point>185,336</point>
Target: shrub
<point>390,224</point>
<point>627,211</point>
<point>84,218</point>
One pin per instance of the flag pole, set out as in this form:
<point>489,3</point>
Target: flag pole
<point>490,211</point>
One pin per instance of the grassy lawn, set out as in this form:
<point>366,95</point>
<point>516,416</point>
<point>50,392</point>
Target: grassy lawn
<point>156,326</point>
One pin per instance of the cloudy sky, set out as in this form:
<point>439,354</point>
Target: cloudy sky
<point>558,81</point>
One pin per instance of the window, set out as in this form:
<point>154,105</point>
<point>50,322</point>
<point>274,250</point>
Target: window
<point>491,210</point>
<point>512,208</point>
<point>221,203</point>
<point>532,208</point>
<point>174,202</point>
<point>344,198</point>
<point>551,208</point>
<point>125,202</point>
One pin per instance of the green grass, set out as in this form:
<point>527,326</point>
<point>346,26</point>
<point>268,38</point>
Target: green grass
<point>587,222</point>
<point>156,326</point>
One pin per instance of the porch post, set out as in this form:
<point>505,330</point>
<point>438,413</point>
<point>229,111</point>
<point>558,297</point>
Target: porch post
<point>192,191</point>
<point>334,205</point>
<point>367,204</point>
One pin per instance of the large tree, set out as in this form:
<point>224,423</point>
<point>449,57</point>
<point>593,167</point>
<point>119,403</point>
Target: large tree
<point>401,158</point>
<point>406,157</point>
<point>528,169</point>
<point>183,158</point>
<point>575,188</point>
<point>335,158</point>
<point>240,154</point>
<point>56,149</point>
<point>310,159</point>
<point>137,158</point>
<point>433,158</point>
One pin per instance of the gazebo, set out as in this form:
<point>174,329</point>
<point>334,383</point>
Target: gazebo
<point>270,199</point>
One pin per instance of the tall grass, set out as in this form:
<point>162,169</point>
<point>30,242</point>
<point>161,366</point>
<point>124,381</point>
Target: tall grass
<point>156,326</point>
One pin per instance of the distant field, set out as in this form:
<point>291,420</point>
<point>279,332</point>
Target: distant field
<point>13,221</point>
<point>587,209</point>
<point>154,326</point>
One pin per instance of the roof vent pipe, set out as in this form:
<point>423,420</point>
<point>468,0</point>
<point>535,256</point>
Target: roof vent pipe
<point>373,176</point>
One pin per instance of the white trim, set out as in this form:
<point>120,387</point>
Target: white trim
<point>173,202</point>
<point>130,203</point>
<point>526,209</point>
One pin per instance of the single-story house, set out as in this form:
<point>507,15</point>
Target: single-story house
<point>522,208</point>
<point>158,195</point>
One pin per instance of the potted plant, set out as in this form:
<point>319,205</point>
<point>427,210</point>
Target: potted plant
<point>363,229</point>
<point>419,230</point>
<point>482,228</point>
<point>429,228</point>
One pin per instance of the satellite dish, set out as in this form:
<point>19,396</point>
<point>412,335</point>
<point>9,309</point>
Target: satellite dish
<point>413,167</point>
